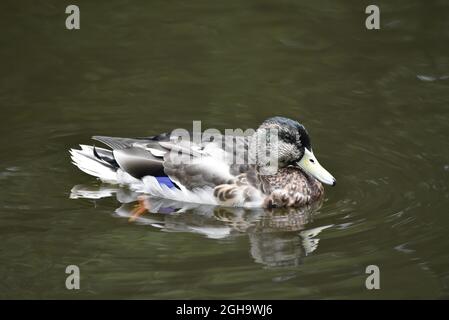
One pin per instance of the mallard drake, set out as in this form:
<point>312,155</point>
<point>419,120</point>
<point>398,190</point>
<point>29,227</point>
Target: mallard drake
<point>200,171</point>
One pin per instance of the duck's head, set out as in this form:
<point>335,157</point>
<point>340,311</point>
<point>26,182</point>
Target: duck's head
<point>294,148</point>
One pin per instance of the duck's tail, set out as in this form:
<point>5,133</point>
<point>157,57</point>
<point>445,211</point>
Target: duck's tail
<point>100,163</point>
<point>86,160</point>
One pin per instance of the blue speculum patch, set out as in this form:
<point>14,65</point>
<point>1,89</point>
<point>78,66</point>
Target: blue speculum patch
<point>166,181</point>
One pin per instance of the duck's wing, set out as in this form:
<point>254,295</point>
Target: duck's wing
<point>192,165</point>
<point>116,143</point>
<point>212,165</point>
<point>138,157</point>
<point>206,165</point>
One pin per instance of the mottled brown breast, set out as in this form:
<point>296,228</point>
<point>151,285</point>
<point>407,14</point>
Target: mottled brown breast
<point>290,187</point>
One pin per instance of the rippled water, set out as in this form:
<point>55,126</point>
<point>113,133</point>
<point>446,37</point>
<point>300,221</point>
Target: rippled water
<point>376,104</point>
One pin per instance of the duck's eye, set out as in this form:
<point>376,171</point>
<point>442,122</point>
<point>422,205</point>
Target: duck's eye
<point>311,160</point>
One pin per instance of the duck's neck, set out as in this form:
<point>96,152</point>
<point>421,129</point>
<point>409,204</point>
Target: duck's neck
<point>263,151</point>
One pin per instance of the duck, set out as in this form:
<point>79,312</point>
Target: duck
<point>271,167</point>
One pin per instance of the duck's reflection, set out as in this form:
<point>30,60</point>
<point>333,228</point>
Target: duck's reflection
<point>277,237</point>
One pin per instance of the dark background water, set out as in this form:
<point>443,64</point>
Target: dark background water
<point>376,104</point>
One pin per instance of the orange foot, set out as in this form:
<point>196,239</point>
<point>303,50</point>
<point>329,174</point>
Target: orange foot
<point>139,209</point>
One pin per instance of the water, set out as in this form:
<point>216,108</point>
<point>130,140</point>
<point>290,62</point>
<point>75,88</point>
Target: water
<point>374,102</point>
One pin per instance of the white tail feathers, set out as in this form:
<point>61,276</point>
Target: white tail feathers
<point>86,161</point>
